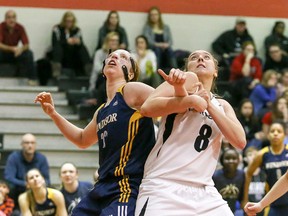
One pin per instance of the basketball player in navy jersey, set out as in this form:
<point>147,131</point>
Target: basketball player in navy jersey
<point>274,160</point>
<point>178,171</point>
<point>125,138</point>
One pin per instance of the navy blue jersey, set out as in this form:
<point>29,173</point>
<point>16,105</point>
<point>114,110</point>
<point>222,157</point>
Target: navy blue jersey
<point>48,208</point>
<point>275,165</point>
<point>125,140</point>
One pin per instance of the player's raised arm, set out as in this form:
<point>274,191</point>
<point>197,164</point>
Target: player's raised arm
<point>83,138</point>
<point>174,95</point>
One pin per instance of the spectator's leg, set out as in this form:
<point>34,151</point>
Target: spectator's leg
<point>26,65</point>
<point>57,57</point>
<point>169,58</point>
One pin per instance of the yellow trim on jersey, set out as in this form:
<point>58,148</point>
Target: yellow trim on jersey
<point>265,150</point>
<point>50,193</point>
<point>124,157</point>
<point>121,89</point>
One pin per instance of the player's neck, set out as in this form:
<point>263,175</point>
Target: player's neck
<point>277,149</point>
<point>71,188</point>
<point>40,194</point>
<point>112,88</point>
<point>230,173</point>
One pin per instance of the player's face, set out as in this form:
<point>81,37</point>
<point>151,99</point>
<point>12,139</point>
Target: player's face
<point>230,160</point>
<point>276,134</point>
<point>202,63</point>
<point>34,179</point>
<point>68,173</point>
<point>247,109</point>
<point>114,63</point>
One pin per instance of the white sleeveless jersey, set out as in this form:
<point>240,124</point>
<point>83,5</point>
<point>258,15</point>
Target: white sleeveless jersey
<point>187,148</point>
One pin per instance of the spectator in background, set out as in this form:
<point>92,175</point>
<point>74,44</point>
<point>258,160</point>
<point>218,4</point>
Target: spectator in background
<point>6,203</point>
<point>251,124</point>
<point>264,94</point>
<point>147,62</point>
<point>274,161</point>
<point>39,199</point>
<point>257,185</point>
<point>246,71</point>
<point>282,85</point>
<point>11,33</point>
<point>112,24</point>
<point>68,49</point>
<point>72,189</point>
<point>277,36</point>
<point>275,59</point>
<point>278,113</point>
<point>229,180</point>
<point>160,39</point>
<point>229,44</point>
<point>19,162</point>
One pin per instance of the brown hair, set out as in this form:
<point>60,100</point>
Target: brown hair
<point>276,114</point>
<point>161,24</point>
<point>65,16</point>
<point>246,43</point>
<point>106,23</point>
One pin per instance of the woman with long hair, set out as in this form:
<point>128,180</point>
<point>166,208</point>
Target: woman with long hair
<point>40,200</point>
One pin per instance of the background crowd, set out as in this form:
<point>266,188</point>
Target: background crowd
<point>258,90</point>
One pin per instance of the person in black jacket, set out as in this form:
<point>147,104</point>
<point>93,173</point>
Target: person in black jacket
<point>68,49</point>
<point>229,43</point>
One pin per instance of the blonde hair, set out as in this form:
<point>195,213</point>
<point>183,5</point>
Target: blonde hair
<point>108,37</point>
<point>267,75</point>
<point>65,16</point>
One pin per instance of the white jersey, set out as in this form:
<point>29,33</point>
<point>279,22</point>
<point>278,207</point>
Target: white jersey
<point>187,148</point>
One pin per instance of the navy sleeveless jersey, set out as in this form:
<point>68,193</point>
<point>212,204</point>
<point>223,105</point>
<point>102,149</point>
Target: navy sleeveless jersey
<point>48,208</point>
<point>125,139</point>
<point>275,166</point>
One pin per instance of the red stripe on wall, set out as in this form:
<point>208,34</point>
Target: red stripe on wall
<point>255,8</point>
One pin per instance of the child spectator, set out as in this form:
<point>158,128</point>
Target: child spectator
<point>6,203</point>
<point>264,94</point>
<point>282,86</point>
<point>229,180</point>
<point>147,62</point>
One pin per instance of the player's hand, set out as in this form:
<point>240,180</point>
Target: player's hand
<point>252,208</point>
<point>175,78</point>
<point>46,101</point>
<point>198,103</point>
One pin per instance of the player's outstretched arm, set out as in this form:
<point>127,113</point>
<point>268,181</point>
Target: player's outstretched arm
<point>83,138</point>
<point>278,190</point>
<point>175,95</point>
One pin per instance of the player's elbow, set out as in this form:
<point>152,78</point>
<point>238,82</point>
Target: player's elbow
<point>240,143</point>
<point>146,110</point>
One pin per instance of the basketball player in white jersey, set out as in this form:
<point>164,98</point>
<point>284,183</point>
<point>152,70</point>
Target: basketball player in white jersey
<point>178,172</point>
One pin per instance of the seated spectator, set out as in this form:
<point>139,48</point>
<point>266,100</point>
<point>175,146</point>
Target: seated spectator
<point>112,24</point>
<point>147,62</point>
<point>282,85</point>
<point>229,44</point>
<point>11,33</point>
<point>278,113</point>
<point>19,162</point>
<point>72,189</point>
<point>160,39</point>
<point>40,200</point>
<point>251,124</point>
<point>246,72</point>
<point>257,186</point>
<point>6,203</point>
<point>68,49</point>
<point>229,180</point>
<point>264,94</point>
<point>277,36</point>
<point>276,60</point>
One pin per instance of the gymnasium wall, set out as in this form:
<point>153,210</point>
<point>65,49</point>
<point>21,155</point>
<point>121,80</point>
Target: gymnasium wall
<point>194,23</point>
